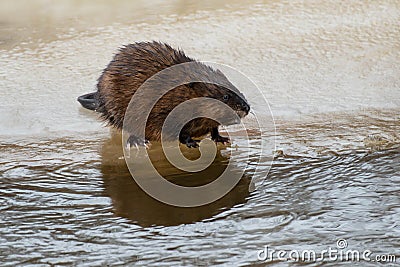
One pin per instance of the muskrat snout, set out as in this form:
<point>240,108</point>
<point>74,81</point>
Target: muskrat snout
<point>246,107</point>
<point>242,109</point>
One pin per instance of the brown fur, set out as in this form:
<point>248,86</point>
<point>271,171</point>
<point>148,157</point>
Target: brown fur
<point>137,62</point>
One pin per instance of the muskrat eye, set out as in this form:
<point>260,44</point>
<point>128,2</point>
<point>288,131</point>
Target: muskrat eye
<point>226,97</point>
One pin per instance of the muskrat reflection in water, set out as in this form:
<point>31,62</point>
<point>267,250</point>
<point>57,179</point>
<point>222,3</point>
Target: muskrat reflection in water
<point>131,202</point>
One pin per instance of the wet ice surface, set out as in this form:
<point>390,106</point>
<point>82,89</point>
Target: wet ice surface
<point>331,75</point>
<point>305,58</point>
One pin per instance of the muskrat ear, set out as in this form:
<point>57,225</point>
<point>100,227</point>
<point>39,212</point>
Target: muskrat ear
<point>191,85</point>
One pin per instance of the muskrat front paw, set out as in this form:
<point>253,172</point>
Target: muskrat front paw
<point>136,142</point>
<point>217,138</point>
<point>221,139</point>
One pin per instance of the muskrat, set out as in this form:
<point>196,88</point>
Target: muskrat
<point>137,62</point>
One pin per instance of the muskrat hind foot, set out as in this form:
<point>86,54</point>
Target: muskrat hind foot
<point>192,143</point>
<point>188,141</point>
<point>136,142</point>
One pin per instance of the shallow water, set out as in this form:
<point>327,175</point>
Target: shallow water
<point>330,72</point>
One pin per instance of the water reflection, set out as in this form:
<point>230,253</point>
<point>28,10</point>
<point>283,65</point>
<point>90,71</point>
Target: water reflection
<point>131,202</point>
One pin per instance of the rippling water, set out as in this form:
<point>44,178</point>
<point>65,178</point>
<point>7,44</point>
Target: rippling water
<point>331,73</point>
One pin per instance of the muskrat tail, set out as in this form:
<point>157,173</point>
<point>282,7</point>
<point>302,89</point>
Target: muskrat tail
<point>89,101</point>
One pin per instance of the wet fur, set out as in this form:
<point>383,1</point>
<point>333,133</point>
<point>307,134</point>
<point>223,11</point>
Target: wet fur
<point>134,64</point>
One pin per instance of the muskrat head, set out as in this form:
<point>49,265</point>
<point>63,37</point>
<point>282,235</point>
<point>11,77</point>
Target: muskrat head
<point>231,97</point>
<point>236,100</point>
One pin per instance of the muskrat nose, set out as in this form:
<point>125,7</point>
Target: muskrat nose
<point>246,107</point>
